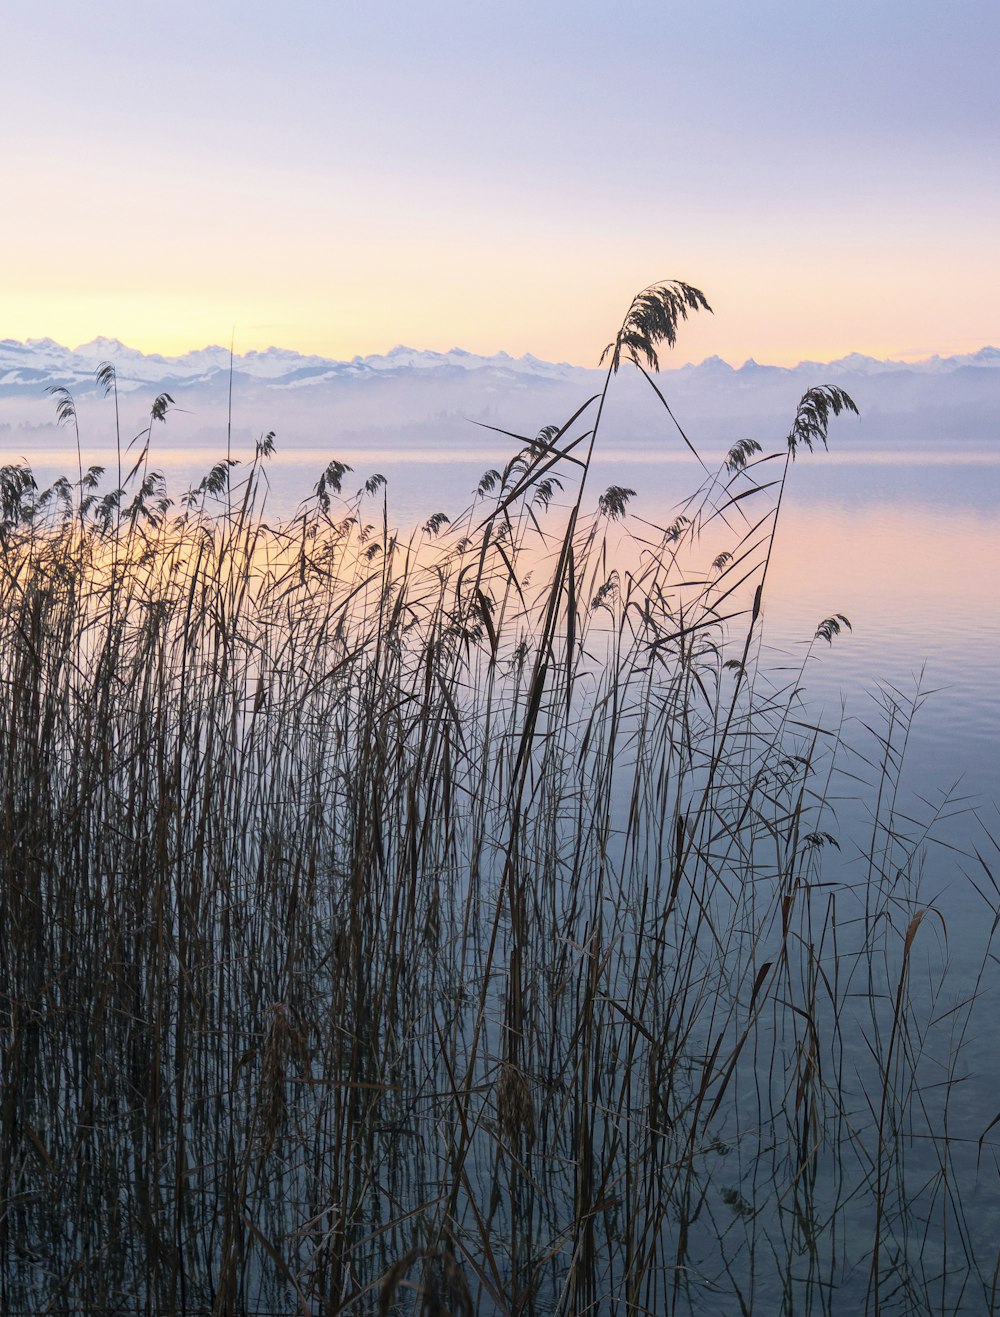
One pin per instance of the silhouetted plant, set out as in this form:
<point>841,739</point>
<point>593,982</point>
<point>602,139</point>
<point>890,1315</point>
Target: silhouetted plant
<point>652,319</point>
<point>445,922</point>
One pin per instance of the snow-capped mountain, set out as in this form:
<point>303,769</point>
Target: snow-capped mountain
<point>37,364</point>
<point>41,363</point>
<point>407,400</point>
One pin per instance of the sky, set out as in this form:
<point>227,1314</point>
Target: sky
<point>340,177</point>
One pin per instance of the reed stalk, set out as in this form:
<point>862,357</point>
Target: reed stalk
<point>453,920</point>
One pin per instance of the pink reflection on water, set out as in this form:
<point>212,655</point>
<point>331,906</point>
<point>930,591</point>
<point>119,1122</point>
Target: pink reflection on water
<point>920,590</point>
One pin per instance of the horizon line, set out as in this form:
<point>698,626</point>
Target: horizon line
<point>902,359</point>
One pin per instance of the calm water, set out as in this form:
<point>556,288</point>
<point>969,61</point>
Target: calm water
<point>908,549</point>
<point>906,546</point>
<point>909,552</point>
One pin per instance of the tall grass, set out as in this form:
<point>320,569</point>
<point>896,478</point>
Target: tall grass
<point>439,922</point>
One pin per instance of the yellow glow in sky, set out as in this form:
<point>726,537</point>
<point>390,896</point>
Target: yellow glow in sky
<point>338,180</point>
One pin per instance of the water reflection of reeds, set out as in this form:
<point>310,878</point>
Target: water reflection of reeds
<point>391,923</point>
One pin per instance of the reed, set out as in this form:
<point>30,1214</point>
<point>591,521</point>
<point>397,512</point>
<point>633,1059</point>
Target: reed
<point>445,921</point>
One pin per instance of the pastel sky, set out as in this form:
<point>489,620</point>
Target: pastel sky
<point>340,177</point>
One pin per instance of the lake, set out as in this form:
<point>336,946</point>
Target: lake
<point>617,1022</point>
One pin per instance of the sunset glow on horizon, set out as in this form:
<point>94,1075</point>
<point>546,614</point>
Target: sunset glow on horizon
<point>502,177</point>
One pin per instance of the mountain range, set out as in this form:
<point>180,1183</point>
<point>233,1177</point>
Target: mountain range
<point>445,404</point>
<point>37,364</point>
